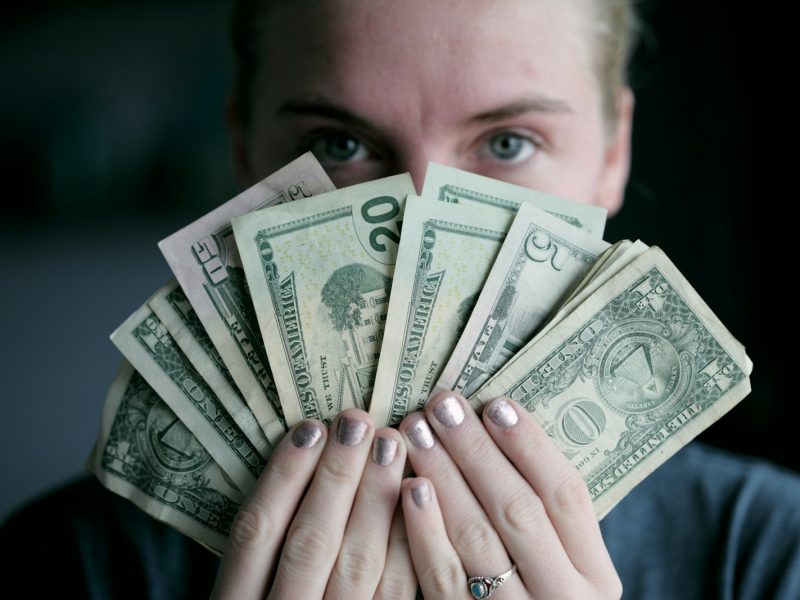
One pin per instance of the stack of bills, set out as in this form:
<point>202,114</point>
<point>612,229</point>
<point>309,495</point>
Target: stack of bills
<point>295,301</point>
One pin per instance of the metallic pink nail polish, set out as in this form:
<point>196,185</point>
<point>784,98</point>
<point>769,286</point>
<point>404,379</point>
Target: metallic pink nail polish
<point>420,434</point>
<point>350,431</point>
<point>421,494</point>
<point>449,412</point>
<point>383,451</point>
<point>503,414</point>
<point>306,434</point>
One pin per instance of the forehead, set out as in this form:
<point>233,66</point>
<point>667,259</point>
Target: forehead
<point>435,58</point>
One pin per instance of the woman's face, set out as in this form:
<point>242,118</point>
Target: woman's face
<point>377,87</point>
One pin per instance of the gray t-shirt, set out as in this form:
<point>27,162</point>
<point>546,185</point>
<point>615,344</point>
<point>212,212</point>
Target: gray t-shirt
<point>705,525</point>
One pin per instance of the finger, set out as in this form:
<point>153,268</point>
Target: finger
<point>362,555</point>
<point>436,561</point>
<point>399,580</point>
<point>261,523</point>
<point>315,535</point>
<point>558,483</point>
<point>513,507</point>
<point>472,534</point>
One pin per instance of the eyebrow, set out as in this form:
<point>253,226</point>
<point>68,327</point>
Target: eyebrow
<point>541,104</point>
<point>320,107</point>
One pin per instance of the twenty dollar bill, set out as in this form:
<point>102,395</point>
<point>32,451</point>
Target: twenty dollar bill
<point>445,255</point>
<point>450,185</point>
<point>320,272</point>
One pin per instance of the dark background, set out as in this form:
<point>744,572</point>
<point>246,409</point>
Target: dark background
<point>112,136</point>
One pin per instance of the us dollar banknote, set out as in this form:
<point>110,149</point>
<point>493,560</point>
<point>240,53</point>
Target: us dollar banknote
<point>445,254</point>
<point>320,273</point>
<point>204,258</point>
<point>626,253</point>
<point>149,347</point>
<point>609,263</point>
<point>630,376</point>
<point>541,259</point>
<point>450,185</point>
<point>173,309</point>
<point>146,454</point>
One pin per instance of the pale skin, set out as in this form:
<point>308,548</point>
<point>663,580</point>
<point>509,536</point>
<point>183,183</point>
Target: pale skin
<point>379,87</point>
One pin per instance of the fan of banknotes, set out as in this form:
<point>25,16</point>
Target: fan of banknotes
<point>295,300</point>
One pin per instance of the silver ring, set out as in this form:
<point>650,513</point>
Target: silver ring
<point>482,587</point>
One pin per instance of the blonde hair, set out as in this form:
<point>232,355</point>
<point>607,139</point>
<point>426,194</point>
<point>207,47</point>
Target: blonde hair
<point>615,30</point>
<point>613,25</point>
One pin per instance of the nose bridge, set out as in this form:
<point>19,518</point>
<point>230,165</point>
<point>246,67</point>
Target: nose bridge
<point>415,161</point>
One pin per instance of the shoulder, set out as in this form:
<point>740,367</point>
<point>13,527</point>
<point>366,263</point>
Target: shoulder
<point>98,544</point>
<point>702,477</point>
<point>721,524</point>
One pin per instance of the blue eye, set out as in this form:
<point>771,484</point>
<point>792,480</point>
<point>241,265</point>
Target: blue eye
<point>511,147</point>
<point>337,147</point>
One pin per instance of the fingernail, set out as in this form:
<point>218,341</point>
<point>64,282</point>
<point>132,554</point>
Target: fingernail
<point>306,434</point>
<point>421,494</point>
<point>449,412</point>
<point>503,414</point>
<point>350,431</point>
<point>420,434</point>
<point>383,451</point>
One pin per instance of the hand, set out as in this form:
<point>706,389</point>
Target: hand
<point>317,523</point>
<point>496,493</point>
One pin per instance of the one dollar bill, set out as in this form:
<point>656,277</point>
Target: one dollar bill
<point>628,377</point>
<point>146,454</point>
<point>150,348</point>
<point>173,309</point>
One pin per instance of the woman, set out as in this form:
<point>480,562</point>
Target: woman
<point>533,92</point>
<point>530,91</point>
